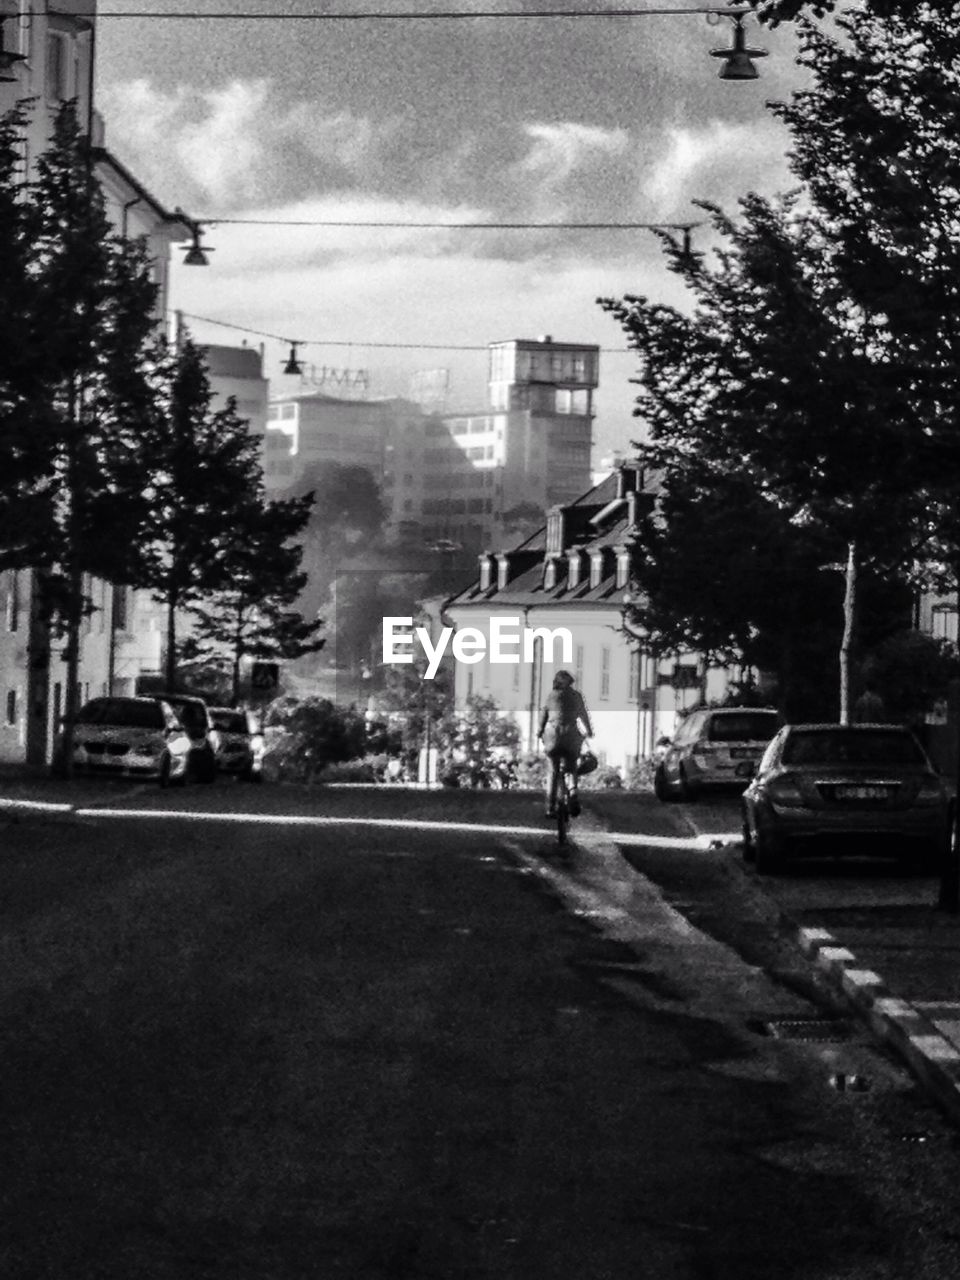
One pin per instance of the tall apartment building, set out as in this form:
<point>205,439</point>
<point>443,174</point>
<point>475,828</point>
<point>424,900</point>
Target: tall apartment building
<point>310,427</point>
<point>491,473</point>
<point>120,638</point>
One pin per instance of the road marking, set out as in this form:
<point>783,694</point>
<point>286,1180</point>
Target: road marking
<point>412,824</point>
<point>45,806</point>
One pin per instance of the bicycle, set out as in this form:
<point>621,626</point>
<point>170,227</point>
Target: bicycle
<point>563,803</point>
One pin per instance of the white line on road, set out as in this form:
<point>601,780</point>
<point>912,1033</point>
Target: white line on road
<point>412,824</point>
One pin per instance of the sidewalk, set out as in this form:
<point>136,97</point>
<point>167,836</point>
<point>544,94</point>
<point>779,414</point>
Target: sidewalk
<point>896,964</point>
<point>25,788</point>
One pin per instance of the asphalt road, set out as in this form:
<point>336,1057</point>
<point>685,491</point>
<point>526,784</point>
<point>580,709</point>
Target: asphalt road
<point>239,1043</point>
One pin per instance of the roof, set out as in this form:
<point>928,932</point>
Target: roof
<point>176,219</point>
<point>233,362</point>
<point>597,521</point>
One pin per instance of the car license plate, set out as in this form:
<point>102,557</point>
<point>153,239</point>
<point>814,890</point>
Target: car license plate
<point>862,793</point>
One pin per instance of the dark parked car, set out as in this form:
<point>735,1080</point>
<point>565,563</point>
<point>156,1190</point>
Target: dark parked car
<point>131,736</point>
<point>714,747</point>
<point>240,749</point>
<point>204,741</point>
<point>830,788</point>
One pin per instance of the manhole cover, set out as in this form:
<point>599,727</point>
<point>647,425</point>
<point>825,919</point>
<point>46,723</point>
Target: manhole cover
<point>809,1029</point>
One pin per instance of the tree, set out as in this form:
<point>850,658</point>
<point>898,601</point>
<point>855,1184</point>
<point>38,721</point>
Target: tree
<point>347,515</point>
<point>876,142</point>
<point>719,570</point>
<point>78,398</point>
<point>911,671</point>
<point>472,742</point>
<point>252,614</point>
<point>774,382</point>
<point>206,492</point>
<point>27,440</point>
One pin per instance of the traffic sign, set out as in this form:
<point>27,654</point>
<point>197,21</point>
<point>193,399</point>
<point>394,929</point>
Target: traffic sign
<point>265,676</point>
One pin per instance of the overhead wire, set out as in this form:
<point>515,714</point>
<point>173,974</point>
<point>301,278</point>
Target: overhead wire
<point>341,342</point>
<point>423,15</point>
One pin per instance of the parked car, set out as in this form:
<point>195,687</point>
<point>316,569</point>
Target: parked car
<point>204,741</point>
<point>131,736</point>
<point>830,788</point>
<point>240,749</point>
<point>714,747</point>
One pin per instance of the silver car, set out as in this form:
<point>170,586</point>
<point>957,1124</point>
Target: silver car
<point>131,736</point>
<point>714,747</point>
<point>830,788</point>
<point>239,743</point>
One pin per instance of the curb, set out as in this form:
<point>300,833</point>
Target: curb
<point>929,1055</point>
<point>932,1059</point>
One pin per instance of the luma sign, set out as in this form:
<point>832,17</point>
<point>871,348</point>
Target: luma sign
<point>506,643</point>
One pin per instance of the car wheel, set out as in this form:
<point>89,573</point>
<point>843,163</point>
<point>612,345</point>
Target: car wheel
<point>164,776</point>
<point>684,789</point>
<point>207,768</point>
<point>660,788</point>
<point>749,849</point>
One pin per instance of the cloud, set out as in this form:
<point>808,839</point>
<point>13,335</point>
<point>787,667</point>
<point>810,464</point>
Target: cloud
<point>567,163</point>
<point>560,149</point>
<point>237,143</point>
<point>716,161</point>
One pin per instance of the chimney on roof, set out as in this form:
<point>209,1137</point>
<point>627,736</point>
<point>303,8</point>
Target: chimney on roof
<point>545,337</point>
<point>629,479</point>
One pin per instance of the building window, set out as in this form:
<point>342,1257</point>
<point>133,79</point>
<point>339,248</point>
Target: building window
<point>604,673</point>
<point>634,687</point>
<point>120,608</point>
<point>13,600</point>
<point>470,683</point>
<point>944,622</point>
<point>516,677</point>
<point>578,665</point>
<point>11,707</point>
<point>58,66</point>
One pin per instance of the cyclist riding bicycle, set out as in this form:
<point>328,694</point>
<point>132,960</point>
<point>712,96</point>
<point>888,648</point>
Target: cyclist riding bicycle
<point>560,731</point>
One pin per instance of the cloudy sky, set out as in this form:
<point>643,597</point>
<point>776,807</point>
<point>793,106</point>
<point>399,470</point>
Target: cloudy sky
<point>484,119</point>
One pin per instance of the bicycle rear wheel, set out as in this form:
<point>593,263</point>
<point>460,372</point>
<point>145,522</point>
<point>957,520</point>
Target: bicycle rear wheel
<point>563,820</point>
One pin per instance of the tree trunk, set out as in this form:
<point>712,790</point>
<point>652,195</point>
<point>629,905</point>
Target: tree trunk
<point>71,700</point>
<point>170,662</point>
<point>849,625</point>
<point>237,655</point>
<point>38,672</point>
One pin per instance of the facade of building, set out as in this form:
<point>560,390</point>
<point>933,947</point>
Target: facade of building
<point>460,480</point>
<point>574,574</point>
<point>529,449</point>
<point>238,372</point>
<point>57,44</point>
<point>120,637</point>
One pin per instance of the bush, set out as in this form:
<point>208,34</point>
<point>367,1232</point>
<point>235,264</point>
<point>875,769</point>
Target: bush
<point>606,778</point>
<point>304,737</point>
<point>532,771</point>
<point>351,771</point>
<point>640,776</point>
